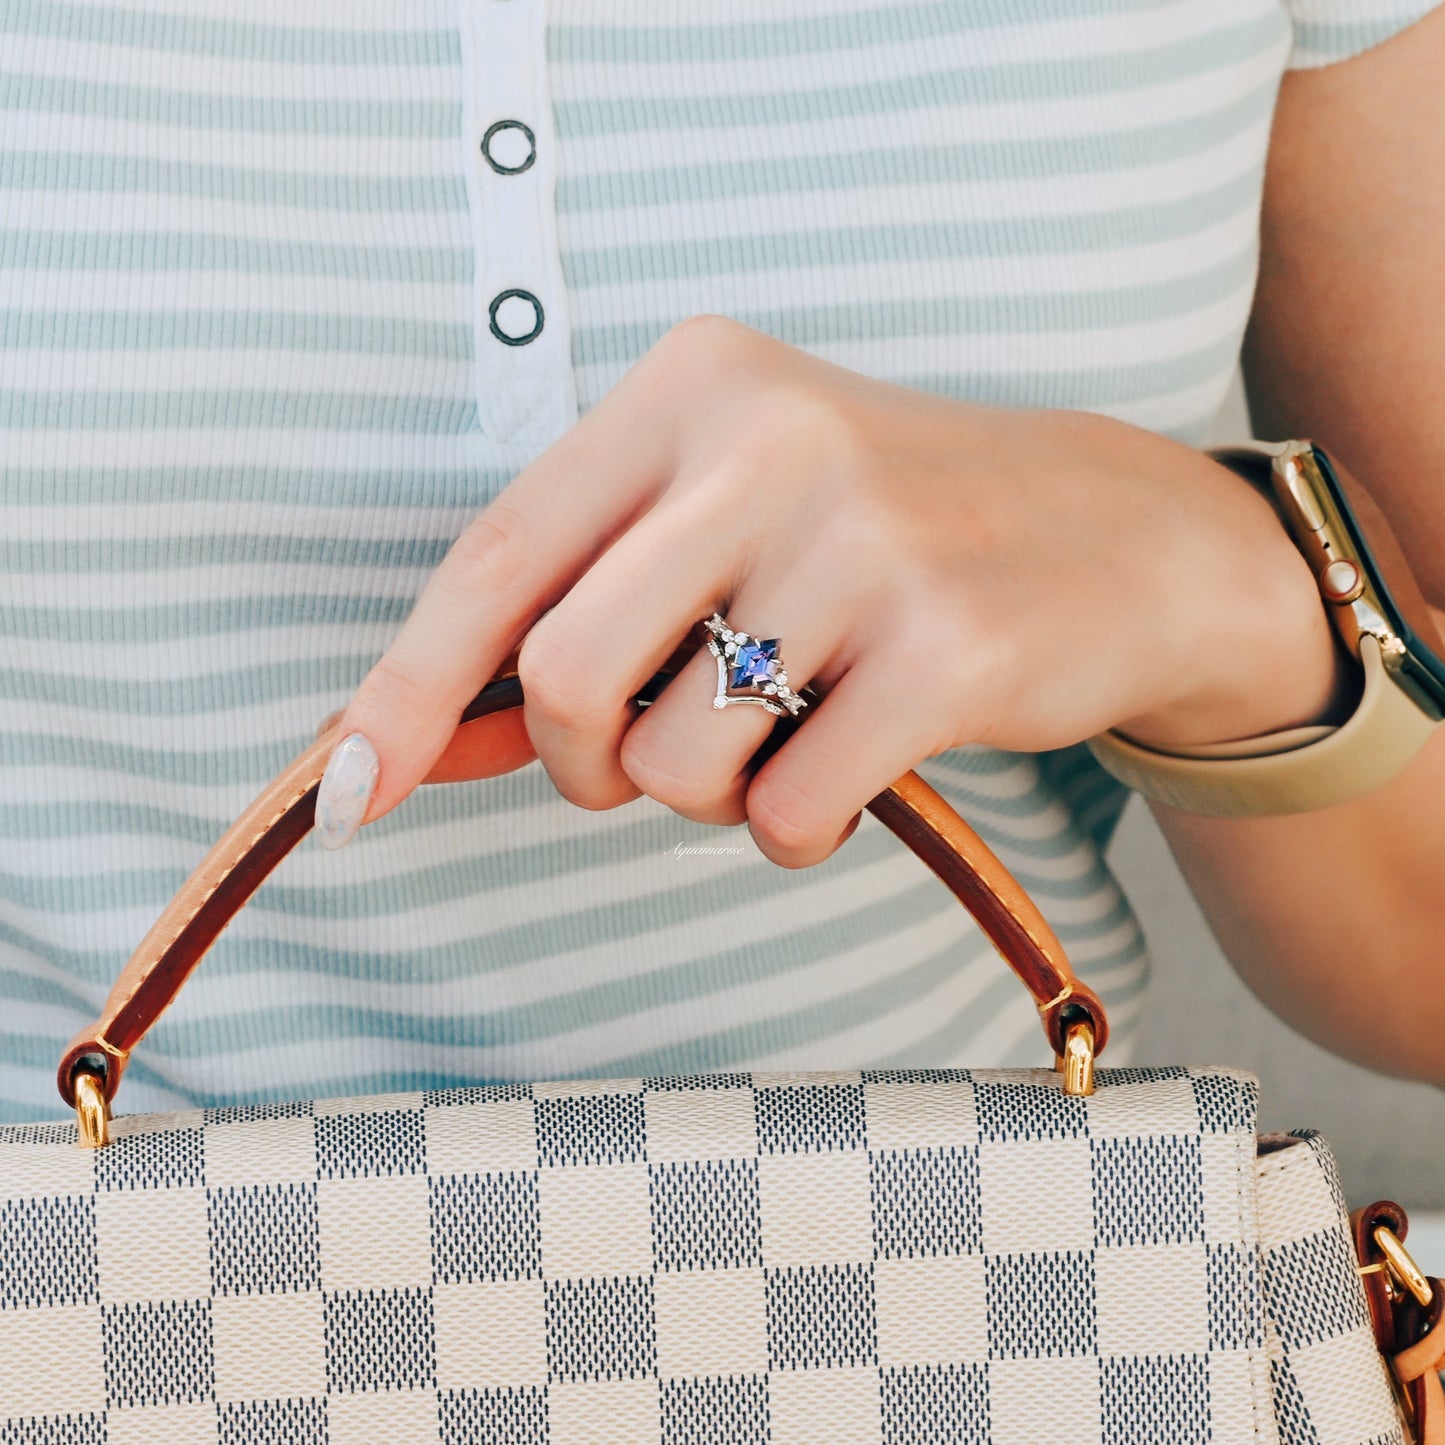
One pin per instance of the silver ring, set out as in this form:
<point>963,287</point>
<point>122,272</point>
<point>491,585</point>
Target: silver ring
<point>750,669</point>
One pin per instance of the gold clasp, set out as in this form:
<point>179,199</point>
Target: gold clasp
<point>1076,1063</point>
<point>1401,1268</point>
<point>92,1112</point>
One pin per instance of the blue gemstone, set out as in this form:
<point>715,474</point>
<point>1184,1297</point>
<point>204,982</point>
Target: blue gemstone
<point>752,663</point>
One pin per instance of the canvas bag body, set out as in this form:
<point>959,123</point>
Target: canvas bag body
<point>908,1256</point>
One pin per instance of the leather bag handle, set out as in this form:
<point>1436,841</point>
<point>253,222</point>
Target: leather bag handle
<point>1072,1014</point>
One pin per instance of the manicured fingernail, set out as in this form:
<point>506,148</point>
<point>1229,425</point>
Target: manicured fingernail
<point>346,789</point>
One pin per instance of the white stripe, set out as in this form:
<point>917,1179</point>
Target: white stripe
<point>218,75</point>
<point>62,291</point>
<point>126,213</point>
<point>1021,42</point>
<point>361,451</point>
<point>361,155</point>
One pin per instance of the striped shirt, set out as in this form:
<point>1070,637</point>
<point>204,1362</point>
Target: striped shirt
<point>263,301</point>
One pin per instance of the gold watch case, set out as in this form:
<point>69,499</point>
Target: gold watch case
<point>1357,560</point>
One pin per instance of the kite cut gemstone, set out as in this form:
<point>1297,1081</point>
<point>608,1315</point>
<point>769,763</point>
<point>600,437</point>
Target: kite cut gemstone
<point>754,663</point>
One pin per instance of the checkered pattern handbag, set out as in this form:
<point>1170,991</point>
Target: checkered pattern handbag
<point>923,1256</point>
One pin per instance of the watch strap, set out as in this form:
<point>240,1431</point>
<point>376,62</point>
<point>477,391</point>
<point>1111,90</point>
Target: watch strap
<point>1317,768</point>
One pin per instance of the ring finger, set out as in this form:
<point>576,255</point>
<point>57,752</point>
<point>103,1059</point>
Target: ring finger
<point>587,658</point>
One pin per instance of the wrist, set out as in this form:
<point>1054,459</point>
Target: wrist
<point>1265,664</point>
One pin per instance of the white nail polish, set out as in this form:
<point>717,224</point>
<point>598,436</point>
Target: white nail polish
<point>346,789</point>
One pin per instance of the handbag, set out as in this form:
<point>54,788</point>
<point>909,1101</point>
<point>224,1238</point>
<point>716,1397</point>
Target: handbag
<point>978,1257</point>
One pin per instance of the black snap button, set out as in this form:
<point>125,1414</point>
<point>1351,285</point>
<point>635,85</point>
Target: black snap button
<point>496,165</point>
<point>497,331</point>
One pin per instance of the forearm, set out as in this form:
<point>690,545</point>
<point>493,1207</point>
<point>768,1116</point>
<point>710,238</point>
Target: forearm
<point>1335,918</point>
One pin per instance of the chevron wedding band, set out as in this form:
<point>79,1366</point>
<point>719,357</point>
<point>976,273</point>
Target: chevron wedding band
<point>750,669</point>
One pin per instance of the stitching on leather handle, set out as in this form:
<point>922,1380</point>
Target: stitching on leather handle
<point>250,843</point>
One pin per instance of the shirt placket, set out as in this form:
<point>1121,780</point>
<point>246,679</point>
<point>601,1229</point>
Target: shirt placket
<point>525,393</point>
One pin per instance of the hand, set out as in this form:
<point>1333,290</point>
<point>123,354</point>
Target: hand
<point>939,573</point>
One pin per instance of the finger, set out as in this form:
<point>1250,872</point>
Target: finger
<point>484,748</point>
<point>806,799</point>
<point>700,760</point>
<point>592,652</point>
<point>582,663</point>
<point>510,563</point>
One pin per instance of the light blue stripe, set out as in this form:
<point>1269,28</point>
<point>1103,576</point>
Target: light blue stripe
<point>182,34</point>
<point>158,251</point>
<point>67,171</point>
<point>237,410</point>
<point>1341,39</point>
<point>893,318</point>
<point>1114,386</point>
<point>23,822</point>
<point>22,987</point>
<point>950,86</point>
<point>189,696</point>
<point>251,763</point>
<point>218,549</point>
<point>999,160</point>
<point>203,329</point>
<point>106,484</point>
<point>527,789</point>
<point>1009,236</point>
<point>202,111</point>
<point>215,617</point>
<point>749,39</point>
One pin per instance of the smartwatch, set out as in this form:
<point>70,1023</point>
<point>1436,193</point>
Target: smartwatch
<point>1380,613</point>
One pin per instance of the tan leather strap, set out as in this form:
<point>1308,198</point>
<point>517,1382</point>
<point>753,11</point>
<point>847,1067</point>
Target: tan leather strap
<point>283,814</point>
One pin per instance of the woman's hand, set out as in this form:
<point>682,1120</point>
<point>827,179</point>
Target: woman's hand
<point>939,573</point>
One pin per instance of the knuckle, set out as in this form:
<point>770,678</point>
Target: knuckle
<point>555,680</point>
<point>921,645</point>
<point>393,685</point>
<point>960,667</point>
<point>704,344</point>
<point>705,332</point>
<point>648,770</point>
<point>971,663</point>
<point>493,546</point>
<point>784,815</point>
<point>797,431</point>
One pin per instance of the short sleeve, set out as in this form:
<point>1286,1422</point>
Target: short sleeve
<point>1329,30</point>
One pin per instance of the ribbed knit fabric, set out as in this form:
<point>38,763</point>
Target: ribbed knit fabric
<point>250,393</point>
